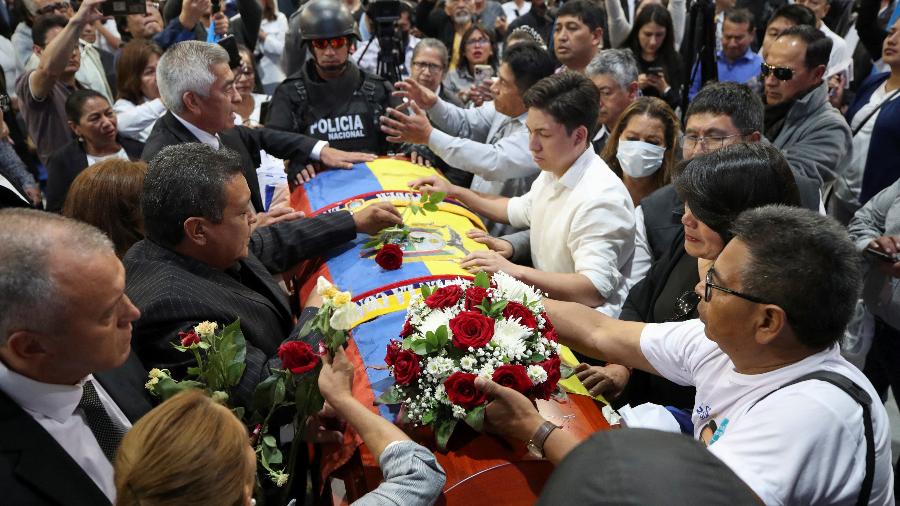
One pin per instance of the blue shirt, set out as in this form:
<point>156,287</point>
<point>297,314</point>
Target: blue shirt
<point>744,70</point>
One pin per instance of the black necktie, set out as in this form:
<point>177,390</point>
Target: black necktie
<point>108,433</point>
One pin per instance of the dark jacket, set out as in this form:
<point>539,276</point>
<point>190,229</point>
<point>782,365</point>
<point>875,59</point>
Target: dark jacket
<point>244,27</point>
<point>246,141</point>
<point>434,22</point>
<point>881,164</point>
<point>64,165</point>
<point>175,292</point>
<point>36,470</point>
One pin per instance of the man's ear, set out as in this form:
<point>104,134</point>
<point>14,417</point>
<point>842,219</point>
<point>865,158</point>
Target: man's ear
<point>195,229</point>
<point>819,72</point>
<point>189,99</point>
<point>633,90</point>
<point>24,346</point>
<point>755,137</point>
<point>597,37</point>
<point>581,136</point>
<point>772,321</point>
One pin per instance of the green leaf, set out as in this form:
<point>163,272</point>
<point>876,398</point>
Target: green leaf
<point>308,399</point>
<point>269,440</point>
<point>407,343</point>
<point>475,418</point>
<point>390,396</point>
<point>167,387</point>
<point>238,412</point>
<point>482,280</point>
<point>374,241</point>
<point>430,207</point>
<point>307,327</point>
<point>436,197</point>
<point>420,346</point>
<point>276,457</point>
<point>497,308</point>
<point>193,371</point>
<point>426,290</point>
<point>269,392</point>
<point>442,335</point>
<point>443,431</point>
<point>428,417</point>
<point>203,345</point>
<point>335,340</point>
<point>424,198</point>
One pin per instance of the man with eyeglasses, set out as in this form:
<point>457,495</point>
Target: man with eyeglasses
<point>812,135</point>
<point>775,400</point>
<point>330,97</point>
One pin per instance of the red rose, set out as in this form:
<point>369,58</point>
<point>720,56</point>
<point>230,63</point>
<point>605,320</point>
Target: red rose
<point>189,338</point>
<point>407,329</point>
<point>393,349</point>
<point>474,296</point>
<point>545,390</point>
<point>461,390</point>
<point>389,257</point>
<point>297,357</point>
<point>513,376</point>
<point>549,329</point>
<point>515,310</point>
<point>444,297</point>
<point>406,367</point>
<point>471,329</point>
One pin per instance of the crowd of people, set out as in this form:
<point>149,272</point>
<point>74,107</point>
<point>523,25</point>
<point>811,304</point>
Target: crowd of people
<point>707,191</point>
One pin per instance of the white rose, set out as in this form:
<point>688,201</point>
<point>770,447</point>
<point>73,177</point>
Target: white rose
<point>206,330</point>
<point>324,288</point>
<point>345,316</point>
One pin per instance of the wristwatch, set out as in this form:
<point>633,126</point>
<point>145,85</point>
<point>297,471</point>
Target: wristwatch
<point>536,443</point>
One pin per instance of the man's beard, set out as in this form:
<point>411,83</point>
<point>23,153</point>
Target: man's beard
<point>462,17</point>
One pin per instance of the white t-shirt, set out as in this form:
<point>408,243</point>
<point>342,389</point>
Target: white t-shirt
<point>581,223</point>
<point>804,444</point>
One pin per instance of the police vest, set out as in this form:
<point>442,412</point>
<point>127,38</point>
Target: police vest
<point>351,126</point>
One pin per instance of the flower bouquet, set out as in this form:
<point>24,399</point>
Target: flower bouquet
<point>491,327</point>
<point>388,244</point>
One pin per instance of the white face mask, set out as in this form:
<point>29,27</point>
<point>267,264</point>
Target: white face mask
<point>639,158</point>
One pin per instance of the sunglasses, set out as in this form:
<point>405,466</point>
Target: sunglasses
<point>57,7</point>
<point>335,43</point>
<point>780,73</point>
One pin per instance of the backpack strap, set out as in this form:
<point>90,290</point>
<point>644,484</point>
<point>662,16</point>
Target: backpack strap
<point>863,399</point>
<point>301,106</point>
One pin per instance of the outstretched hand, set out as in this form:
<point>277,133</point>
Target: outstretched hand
<point>402,127</point>
<point>509,413</point>
<point>415,92</point>
<point>372,219</point>
<point>501,246</point>
<point>433,184</point>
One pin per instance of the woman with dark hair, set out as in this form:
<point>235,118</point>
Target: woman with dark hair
<point>715,188</point>
<point>93,121</point>
<point>478,47</point>
<point>138,106</point>
<point>641,147</point>
<point>270,47</point>
<point>108,196</point>
<point>652,41</point>
<point>249,111</point>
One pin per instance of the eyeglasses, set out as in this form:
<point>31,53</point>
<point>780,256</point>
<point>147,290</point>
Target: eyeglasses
<point>780,73</point>
<point>685,306</point>
<point>711,142</point>
<point>709,286</point>
<point>57,7</point>
<point>477,42</point>
<point>335,43</point>
<point>423,66</point>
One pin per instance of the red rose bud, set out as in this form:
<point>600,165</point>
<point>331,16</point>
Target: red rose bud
<point>513,376</point>
<point>514,310</point>
<point>406,367</point>
<point>389,257</point>
<point>475,295</point>
<point>471,329</point>
<point>444,297</point>
<point>189,339</point>
<point>546,389</point>
<point>393,349</point>
<point>461,390</point>
<point>407,329</point>
<point>297,357</point>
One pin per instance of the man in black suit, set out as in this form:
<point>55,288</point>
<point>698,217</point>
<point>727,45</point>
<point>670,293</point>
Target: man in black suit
<point>205,113</point>
<point>69,386</point>
<point>200,261</point>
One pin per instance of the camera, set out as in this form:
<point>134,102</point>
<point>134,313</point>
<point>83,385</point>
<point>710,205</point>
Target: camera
<point>123,7</point>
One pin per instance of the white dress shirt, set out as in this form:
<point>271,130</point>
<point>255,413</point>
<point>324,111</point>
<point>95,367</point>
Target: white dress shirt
<point>214,141</point>
<point>489,144</point>
<point>55,408</point>
<point>581,223</point>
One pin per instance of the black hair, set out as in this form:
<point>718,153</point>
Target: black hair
<point>718,186</point>
<point>741,16</point>
<point>463,63</point>
<point>800,15</point>
<point>815,276</point>
<point>529,64</point>
<point>75,103</point>
<point>737,101</point>
<point>588,12</point>
<point>44,24</point>
<point>183,181</point>
<point>666,55</point>
<point>818,45</point>
<point>570,97</point>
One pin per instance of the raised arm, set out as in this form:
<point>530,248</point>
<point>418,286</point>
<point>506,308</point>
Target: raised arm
<point>55,57</point>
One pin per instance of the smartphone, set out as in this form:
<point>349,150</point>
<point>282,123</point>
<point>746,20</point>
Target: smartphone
<point>123,7</point>
<point>657,70</point>
<point>483,73</point>
<point>881,255</point>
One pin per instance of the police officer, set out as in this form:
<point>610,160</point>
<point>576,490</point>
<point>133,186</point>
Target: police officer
<point>330,98</point>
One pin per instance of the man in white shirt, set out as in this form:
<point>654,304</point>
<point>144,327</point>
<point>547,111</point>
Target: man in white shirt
<point>69,387</point>
<point>767,318</point>
<point>579,212</point>
<point>490,141</point>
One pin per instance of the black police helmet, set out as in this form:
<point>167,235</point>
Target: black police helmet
<point>326,19</point>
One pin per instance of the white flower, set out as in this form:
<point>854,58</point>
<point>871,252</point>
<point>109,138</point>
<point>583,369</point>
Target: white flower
<point>434,320</point>
<point>206,330</point>
<point>459,411</point>
<point>219,396</point>
<point>279,477</point>
<point>439,367</point>
<point>440,394</point>
<point>510,337</point>
<point>537,374</point>
<point>149,385</point>
<point>325,289</point>
<point>468,362</point>
<point>515,290</point>
<point>157,373</point>
<point>486,372</point>
<point>345,316</point>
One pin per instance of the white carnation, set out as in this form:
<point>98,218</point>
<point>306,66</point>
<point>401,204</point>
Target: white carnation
<point>510,337</point>
<point>468,362</point>
<point>439,367</point>
<point>486,372</point>
<point>514,290</point>
<point>537,374</point>
<point>433,321</point>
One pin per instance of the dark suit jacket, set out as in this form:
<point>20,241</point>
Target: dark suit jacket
<point>65,164</point>
<point>35,470</point>
<point>175,292</point>
<point>246,141</point>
